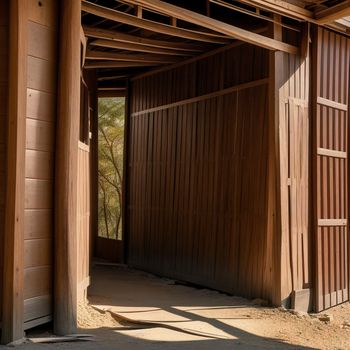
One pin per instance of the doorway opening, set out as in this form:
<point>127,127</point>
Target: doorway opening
<point>109,240</point>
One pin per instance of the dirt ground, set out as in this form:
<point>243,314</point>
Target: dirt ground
<point>131,310</point>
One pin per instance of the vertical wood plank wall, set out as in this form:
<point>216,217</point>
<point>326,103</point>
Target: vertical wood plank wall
<point>40,141</point>
<point>331,123</point>
<point>4,16</point>
<point>83,220</point>
<point>294,142</point>
<point>197,172</point>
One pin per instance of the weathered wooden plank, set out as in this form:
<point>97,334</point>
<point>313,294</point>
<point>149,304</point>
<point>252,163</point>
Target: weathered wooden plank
<point>65,302</point>
<point>331,153</point>
<point>12,317</point>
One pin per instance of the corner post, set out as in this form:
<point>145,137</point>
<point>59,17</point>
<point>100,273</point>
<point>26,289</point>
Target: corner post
<point>67,137</point>
<point>13,280</point>
<point>274,229</point>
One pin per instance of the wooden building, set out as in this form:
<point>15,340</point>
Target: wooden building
<point>236,166</point>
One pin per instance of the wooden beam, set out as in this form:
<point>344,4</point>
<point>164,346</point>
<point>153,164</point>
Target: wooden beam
<point>115,77</point>
<point>220,27</point>
<point>331,153</point>
<point>130,57</point>
<point>125,18</point>
<point>251,13</point>
<point>273,195</point>
<point>67,137</point>
<point>332,222</point>
<point>115,64</point>
<point>83,41</point>
<point>333,13</point>
<point>138,11</point>
<point>112,44</point>
<point>13,268</point>
<point>115,93</point>
<point>281,7</point>
<point>100,33</point>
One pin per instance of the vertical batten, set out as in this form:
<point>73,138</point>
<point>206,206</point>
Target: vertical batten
<point>12,320</point>
<point>65,280</point>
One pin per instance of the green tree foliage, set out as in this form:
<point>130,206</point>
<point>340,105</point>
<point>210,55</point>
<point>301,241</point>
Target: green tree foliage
<point>110,169</point>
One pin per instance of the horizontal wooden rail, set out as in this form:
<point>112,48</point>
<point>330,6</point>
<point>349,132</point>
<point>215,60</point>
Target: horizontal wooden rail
<point>332,222</point>
<point>204,97</point>
<point>329,103</point>
<point>331,153</point>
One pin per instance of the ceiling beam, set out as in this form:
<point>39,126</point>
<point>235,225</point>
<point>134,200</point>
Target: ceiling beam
<point>114,64</point>
<point>113,77</point>
<point>333,13</point>
<point>112,44</point>
<point>161,28</point>
<point>281,7</point>
<point>216,25</point>
<point>130,57</point>
<point>100,33</point>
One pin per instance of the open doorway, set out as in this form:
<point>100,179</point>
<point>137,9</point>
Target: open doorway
<point>109,241</point>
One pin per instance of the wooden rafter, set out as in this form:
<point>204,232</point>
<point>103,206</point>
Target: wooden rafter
<point>116,64</point>
<point>92,32</point>
<point>130,57</point>
<point>281,7</point>
<point>333,13</point>
<point>251,13</point>
<point>112,44</point>
<point>124,18</point>
<point>216,25</point>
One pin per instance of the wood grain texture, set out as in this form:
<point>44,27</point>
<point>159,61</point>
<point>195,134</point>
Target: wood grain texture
<point>196,196</point>
<point>39,163</point>
<point>67,137</point>
<point>4,49</point>
<point>83,216</point>
<point>330,132</point>
<point>12,317</point>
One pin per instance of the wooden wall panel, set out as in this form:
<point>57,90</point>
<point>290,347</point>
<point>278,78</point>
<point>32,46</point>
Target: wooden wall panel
<point>331,115</point>
<point>197,172</point>
<point>40,140</point>
<point>293,115</point>
<point>4,51</point>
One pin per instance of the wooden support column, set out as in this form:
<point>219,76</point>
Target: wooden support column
<point>65,279</point>
<point>273,264</point>
<point>12,317</point>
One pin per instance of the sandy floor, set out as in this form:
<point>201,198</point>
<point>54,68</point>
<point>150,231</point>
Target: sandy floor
<point>143,312</point>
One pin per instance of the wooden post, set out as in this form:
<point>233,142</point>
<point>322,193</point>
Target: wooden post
<point>12,317</point>
<point>65,279</point>
<point>273,265</point>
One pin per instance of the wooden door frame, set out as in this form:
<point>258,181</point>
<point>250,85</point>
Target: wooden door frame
<point>67,137</point>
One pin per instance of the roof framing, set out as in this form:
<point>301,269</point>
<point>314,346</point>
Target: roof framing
<point>224,29</point>
<point>333,13</point>
<point>125,18</point>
